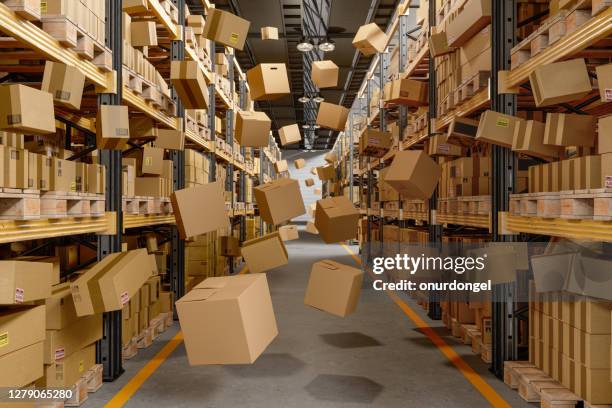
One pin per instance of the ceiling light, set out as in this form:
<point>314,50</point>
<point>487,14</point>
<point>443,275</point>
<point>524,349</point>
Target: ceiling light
<point>316,126</point>
<point>304,99</point>
<point>305,126</point>
<point>305,45</point>
<point>318,99</point>
<point>328,45</point>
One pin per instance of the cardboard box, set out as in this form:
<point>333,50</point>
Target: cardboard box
<point>529,139</point>
<point>226,28</point>
<point>288,232</point>
<point>497,128</point>
<point>565,129</point>
<point>331,157</point>
<point>336,219</point>
<point>43,169</point>
<point>16,167</point>
<point>311,228</point>
<point>253,129</point>
<point>59,308</point>
<point>188,203</point>
<point>170,139</point>
<point>438,44</point>
<point>299,163</point>
<point>413,174</point>
<point>26,110</point>
<point>325,74</point>
<point>236,307</point>
<point>281,166</point>
<point>370,39</point>
<point>96,178</point>
<point>309,182</point>
<point>606,170</point>
<point>289,134</point>
<point>229,246</point>
<point>268,82</point>
<point>143,34</point>
<point>65,83</point>
<point>21,327</point>
<point>112,127</point>
<point>334,287</point>
<point>149,160</point>
<point>408,92</point>
<point>22,367</point>
<point>326,173</point>
<point>604,81</point>
<point>60,344</point>
<point>264,253</point>
<point>560,82</point>
<point>149,187</point>
<point>189,83</point>
<point>375,143</point>
<point>279,200</point>
<point>64,373</point>
<point>438,146</point>
<point>475,16</point>
<point>604,140</point>
<point>269,33</point>
<point>63,175</point>
<point>332,116</point>
<point>24,281</point>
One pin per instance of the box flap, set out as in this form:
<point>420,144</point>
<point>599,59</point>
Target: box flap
<point>197,294</point>
<point>328,264</point>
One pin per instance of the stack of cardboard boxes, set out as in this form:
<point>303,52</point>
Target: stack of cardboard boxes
<point>63,18</point>
<point>466,176</point>
<point>146,173</point>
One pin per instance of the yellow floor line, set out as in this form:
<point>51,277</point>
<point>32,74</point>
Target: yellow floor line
<point>468,372</point>
<point>129,389</point>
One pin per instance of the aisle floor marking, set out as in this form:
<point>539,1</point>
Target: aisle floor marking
<point>449,352</point>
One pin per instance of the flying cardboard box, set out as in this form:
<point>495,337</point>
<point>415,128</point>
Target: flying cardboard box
<point>230,307</point>
<point>332,116</point>
<point>279,200</point>
<point>413,174</point>
<point>269,33</point>
<point>226,28</point>
<point>331,157</point>
<point>496,128</point>
<point>309,182</point>
<point>22,367</point>
<point>281,166</point>
<point>438,44</point>
<point>188,203</point>
<point>313,171</point>
<point>268,82</point>
<point>66,372</point>
<point>475,15</point>
<point>190,84</point>
<point>560,82</point>
<point>253,129</point>
<point>408,92</point>
<point>64,82</point>
<point>375,143</point>
<point>370,39</point>
<point>334,287</point>
<point>310,227</point>
<point>326,172</point>
<point>529,139</point>
<point>462,131</point>
<point>604,81</point>
<point>26,110</point>
<point>62,343</point>
<point>325,74</point>
<point>299,163</point>
<point>567,129</point>
<point>170,139</point>
<point>144,33</point>
<point>264,253</point>
<point>289,134</point>
<point>112,127</point>
<point>336,219</point>
<point>22,281</point>
<point>288,232</point>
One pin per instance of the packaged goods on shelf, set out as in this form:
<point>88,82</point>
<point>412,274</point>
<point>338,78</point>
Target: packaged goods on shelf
<point>311,228</point>
<point>150,187</point>
<point>325,173</point>
<point>325,74</point>
<point>187,205</point>
<point>336,219</point>
<point>264,253</point>
<point>112,127</point>
<point>289,134</point>
<point>529,139</point>
<point>279,201</point>
<point>370,39</point>
<point>475,15</point>
<point>567,129</point>
<point>332,116</point>
<point>334,287</point>
<point>64,82</point>
<point>288,232</point>
<point>269,33</point>
<point>26,281</point>
<point>604,81</point>
<point>226,28</point>
<point>268,82</point>
<point>497,128</point>
<point>560,82</point>
<point>253,128</point>
<point>331,157</point>
<point>26,110</point>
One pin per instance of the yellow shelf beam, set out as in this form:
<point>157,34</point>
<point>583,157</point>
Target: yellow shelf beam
<point>148,109</point>
<point>136,221</point>
<point>478,221</point>
<point>164,19</point>
<point>559,227</point>
<point>13,231</point>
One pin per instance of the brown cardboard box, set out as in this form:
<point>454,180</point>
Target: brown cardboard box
<point>438,146</point>
<point>22,367</point>
<point>336,219</point>
<point>332,116</point>
<point>370,39</point>
<point>59,308</point>
<point>299,163</point>
<point>279,200</point>
<point>408,92</point>
<point>65,83</point>
<point>269,33</point>
<point>334,287</point>
<point>593,179</point>
<point>63,175</point>
<point>143,33</point>
<point>229,246</point>
<point>226,28</point>
<point>236,307</point>
<point>567,172</point>
<point>325,74</point>
<point>96,178</point>
<point>604,139</point>
<point>68,256</point>
<point>281,166</point>
<point>475,16</point>
<point>264,253</point>
<point>196,22</point>
<point>375,143</point>
<point>189,83</point>
<point>62,343</point>
<point>154,284</point>
<point>65,372</point>
<point>188,203</point>
<point>289,134</point>
<point>529,139</point>
<point>309,182</point>
<point>149,186</point>
<point>326,173</point>
<point>604,81</point>
<point>413,174</point>
<point>288,232</point>
<point>112,127</point>
<point>253,129</point>
<point>268,82</point>
<point>560,82</point>
<point>497,128</point>
<point>563,129</point>
<point>26,110</point>
<point>331,157</point>
<point>592,384</point>
<point>21,327</point>
<point>170,139</point>
<point>43,168</point>
<point>438,44</point>
<point>149,160</point>
<point>25,281</point>
<point>16,166</point>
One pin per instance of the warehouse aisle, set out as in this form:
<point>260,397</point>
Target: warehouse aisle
<point>374,357</point>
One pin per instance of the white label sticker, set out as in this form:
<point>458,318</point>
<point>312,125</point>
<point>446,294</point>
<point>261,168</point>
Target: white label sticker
<point>608,182</point>
<point>608,94</point>
<point>60,353</point>
<point>124,298</point>
<point>19,295</point>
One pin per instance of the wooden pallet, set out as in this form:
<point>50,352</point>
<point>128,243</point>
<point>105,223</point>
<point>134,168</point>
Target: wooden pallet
<point>145,338</point>
<point>472,86</point>
<point>59,204</point>
<point>486,353</point>
<point>79,394</point>
<point>448,205</point>
<point>129,350</point>
<point>474,205</point>
<point>94,378</point>
<point>24,9</point>
<point>19,204</point>
<point>138,205</point>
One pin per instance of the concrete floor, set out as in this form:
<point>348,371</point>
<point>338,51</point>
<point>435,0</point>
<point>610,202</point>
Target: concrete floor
<point>374,357</point>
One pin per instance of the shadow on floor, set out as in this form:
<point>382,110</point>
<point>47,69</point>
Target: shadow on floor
<point>349,340</point>
<point>269,365</point>
<point>344,388</point>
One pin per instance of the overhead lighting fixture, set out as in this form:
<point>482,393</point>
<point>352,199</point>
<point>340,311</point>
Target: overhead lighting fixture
<point>304,99</point>
<point>318,99</point>
<point>316,126</point>
<point>305,45</point>
<point>328,45</point>
<point>305,126</point>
